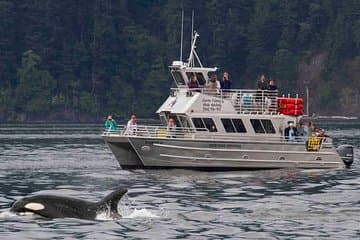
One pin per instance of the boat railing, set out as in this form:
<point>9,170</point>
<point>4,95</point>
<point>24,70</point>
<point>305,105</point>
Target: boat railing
<point>244,101</point>
<point>164,132</point>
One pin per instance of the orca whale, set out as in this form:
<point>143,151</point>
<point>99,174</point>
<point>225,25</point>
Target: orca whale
<point>51,206</point>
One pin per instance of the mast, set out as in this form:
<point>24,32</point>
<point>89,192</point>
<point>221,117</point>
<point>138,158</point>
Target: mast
<point>182,33</point>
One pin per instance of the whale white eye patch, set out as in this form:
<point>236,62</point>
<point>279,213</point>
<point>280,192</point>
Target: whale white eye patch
<point>34,206</point>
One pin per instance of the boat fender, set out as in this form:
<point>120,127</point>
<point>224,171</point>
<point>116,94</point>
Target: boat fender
<point>346,153</point>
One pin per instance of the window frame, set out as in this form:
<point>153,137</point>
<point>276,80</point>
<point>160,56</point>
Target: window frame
<point>231,125</point>
<point>242,126</point>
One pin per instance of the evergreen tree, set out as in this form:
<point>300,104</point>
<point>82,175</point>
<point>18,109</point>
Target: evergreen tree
<point>33,94</point>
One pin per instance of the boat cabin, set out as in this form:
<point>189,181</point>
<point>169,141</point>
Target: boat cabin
<point>245,112</point>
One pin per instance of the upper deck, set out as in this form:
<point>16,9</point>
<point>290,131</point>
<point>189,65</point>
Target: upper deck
<point>234,101</point>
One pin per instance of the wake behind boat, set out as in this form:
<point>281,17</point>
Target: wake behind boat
<point>223,129</point>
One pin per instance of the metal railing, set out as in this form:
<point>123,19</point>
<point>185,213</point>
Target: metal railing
<point>162,132</point>
<point>245,101</point>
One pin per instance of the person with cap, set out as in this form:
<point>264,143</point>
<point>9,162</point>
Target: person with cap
<point>110,124</point>
<point>291,132</point>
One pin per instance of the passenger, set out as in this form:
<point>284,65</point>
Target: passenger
<point>246,101</point>
<point>291,132</point>
<point>131,126</point>
<point>171,129</point>
<point>193,82</point>
<point>212,86</point>
<point>261,85</point>
<point>303,132</point>
<point>226,82</point>
<point>110,124</point>
<point>272,85</point>
<point>272,95</point>
<point>310,128</point>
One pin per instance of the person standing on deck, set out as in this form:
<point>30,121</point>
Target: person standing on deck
<point>291,132</point>
<point>131,125</point>
<point>110,124</point>
<point>226,82</point>
<point>171,129</point>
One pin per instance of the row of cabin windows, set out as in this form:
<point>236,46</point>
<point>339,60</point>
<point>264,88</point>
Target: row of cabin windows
<point>180,81</point>
<point>234,125</point>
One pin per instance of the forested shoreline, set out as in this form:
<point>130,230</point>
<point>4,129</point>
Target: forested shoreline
<point>79,60</point>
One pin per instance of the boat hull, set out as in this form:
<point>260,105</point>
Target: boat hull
<point>123,152</point>
<point>210,154</point>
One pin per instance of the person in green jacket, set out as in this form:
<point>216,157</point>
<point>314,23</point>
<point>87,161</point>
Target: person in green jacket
<point>110,124</point>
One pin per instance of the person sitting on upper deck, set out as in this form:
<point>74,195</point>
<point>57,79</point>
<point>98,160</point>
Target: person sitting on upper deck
<point>226,82</point>
<point>212,86</point>
<point>193,82</point>
<point>110,124</point>
<point>291,132</point>
<point>131,125</point>
<point>171,129</point>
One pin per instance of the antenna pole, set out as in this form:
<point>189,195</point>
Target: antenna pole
<point>192,26</point>
<point>182,33</point>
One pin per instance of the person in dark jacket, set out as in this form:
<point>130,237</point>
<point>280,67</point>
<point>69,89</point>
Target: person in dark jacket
<point>226,82</point>
<point>272,85</point>
<point>291,132</point>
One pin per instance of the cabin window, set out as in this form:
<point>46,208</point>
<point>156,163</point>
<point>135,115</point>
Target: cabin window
<point>228,126</point>
<point>239,125</point>
<point>268,126</point>
<point>178,78</point>
<point>201,124</point>
<point>198,124</point>
<point>210,125</point>
<point>199,77</point>
<point>262,126</point>
<point>258,128</point>
<point>184,122</point>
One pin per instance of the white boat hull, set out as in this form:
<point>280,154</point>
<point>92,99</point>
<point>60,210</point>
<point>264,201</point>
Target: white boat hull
<point>212,154</point>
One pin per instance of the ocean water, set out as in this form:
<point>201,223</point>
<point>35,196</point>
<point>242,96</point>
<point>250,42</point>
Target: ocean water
<point>72,160</point>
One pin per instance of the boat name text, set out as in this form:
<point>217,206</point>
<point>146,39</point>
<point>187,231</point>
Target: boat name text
<point>211,104</point>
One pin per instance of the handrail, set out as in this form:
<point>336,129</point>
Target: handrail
<point>244,101</point>
<point>161,132</point>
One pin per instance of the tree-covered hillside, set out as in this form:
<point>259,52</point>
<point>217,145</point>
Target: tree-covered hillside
<point>82,59</point>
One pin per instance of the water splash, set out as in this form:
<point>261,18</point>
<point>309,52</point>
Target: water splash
<point>141,213</point>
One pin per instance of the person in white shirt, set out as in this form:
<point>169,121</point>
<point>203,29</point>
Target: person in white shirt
<point>131,125</point>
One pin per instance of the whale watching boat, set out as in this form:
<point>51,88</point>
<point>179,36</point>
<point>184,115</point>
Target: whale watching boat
<point>223,129</point>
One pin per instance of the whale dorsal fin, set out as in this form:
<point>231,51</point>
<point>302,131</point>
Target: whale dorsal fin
<point>113,199</point>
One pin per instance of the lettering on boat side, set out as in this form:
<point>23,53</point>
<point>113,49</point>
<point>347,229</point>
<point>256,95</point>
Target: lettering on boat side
<point>211,104</point>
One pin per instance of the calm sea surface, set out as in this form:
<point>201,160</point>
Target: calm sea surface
<point>72,160</point>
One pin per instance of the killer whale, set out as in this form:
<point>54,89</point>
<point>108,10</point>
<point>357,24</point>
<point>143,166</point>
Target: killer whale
<point>52,206</point>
